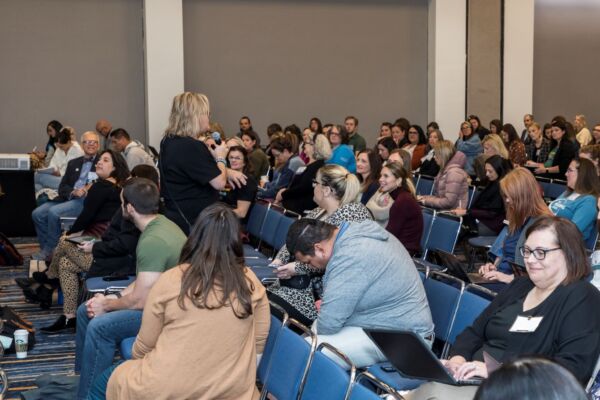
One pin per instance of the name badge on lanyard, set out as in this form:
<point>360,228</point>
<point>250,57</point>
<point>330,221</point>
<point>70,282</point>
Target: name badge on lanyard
<point>525,324</point>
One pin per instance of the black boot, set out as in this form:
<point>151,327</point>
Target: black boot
<point>61,324</point>
<point>24,283</point>
<point>44,293</point>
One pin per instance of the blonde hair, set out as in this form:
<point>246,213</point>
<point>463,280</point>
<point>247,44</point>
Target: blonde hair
<point>217,127</point>
<point>582,120</point>
<point>344,185</point>
<point>322,146</point>
<point>237,140</point>
<point>186,109</point>
<point>444,150</point>
<point>497,144</point>
<point>525,199</point>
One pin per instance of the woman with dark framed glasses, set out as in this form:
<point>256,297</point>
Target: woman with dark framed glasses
<point>553,312</point>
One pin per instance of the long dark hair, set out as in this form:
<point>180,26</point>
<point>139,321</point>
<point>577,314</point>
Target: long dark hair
<point>216,270</point>
<point>374,165</point>
<point>57,126</point>
<point>121,171</point>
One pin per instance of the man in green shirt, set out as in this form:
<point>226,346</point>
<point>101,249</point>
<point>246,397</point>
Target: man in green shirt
<point>355,141</point>
<point>104,321</point>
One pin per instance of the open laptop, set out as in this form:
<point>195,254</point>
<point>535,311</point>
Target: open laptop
<point>409,354</point>
<point>456,268</point>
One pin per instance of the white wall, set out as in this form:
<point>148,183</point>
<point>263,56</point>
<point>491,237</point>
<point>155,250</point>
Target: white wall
<point>163,28</point>
<point>518,60</point>
<point>447,64</point>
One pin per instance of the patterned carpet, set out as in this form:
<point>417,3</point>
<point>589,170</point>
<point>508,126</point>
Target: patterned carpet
<point>53,353</point>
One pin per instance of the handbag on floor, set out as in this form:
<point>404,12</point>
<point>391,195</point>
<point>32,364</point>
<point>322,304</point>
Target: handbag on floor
<point>12,322</point>
<point>9,255</point>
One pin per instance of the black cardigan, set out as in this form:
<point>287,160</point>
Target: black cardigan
<point>299,196</point>
<point>100,204</point>
<point>569,332</point>
<point>566,152</point>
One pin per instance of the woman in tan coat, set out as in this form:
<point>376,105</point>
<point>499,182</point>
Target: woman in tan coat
<point>204,323</point>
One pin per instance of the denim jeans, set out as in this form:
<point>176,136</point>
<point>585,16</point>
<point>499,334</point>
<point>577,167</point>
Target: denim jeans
<point>48,181</point>
<point>96,342</point>
<point>46,219</point>
<point>99,386</point>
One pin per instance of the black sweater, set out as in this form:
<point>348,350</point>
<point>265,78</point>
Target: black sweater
<point>100,204</point>
<point>569,333</point>
<point>299,196</point>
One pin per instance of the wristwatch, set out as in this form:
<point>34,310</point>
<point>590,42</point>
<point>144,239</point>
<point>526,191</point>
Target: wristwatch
<point>221,160</point>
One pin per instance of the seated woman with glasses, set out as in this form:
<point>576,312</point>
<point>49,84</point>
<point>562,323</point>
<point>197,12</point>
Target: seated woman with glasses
<point>553,312</point>
<point>287,162</point>
<point>578,202</point>
<point>342,154</point>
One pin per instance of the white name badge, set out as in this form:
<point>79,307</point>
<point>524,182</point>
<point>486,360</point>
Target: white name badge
<point>525,324</point>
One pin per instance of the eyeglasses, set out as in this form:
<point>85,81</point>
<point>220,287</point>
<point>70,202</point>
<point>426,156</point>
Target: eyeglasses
<point>465,128</point>
<point>316,182</point>
<point>334,133</point>
<point>571,170</point>
<point>236,158</point>
<point>90,142</point>
<point>538,253</point>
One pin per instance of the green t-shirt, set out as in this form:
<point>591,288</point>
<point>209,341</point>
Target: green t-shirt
<point>357,143</point>
<point>159,246</point>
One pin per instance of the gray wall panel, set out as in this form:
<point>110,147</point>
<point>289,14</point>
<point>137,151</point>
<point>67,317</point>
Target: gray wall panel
<point>71,60</point>
<point>286,61</point>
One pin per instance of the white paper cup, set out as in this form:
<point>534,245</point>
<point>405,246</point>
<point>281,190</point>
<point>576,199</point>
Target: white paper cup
<point>21,340</point>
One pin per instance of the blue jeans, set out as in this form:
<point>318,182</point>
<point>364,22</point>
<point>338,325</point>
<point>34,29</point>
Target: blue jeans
<point>96,342</point>
<point>46,219</point>
<point>42,181</point>
<point>98,389</point>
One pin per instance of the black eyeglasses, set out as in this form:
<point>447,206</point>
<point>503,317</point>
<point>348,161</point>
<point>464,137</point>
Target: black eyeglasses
<point>316,182</point>
<point>538,253</point>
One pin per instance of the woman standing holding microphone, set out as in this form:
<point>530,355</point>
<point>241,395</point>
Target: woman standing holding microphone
<point>191,173</point>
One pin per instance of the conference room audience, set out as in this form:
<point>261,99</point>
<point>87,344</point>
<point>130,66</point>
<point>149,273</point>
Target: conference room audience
<point>231,142</point>
<point>531,378</point>
<point>578,202</point>
<point>385,129</point>
<point>583,135</point>
<point>45,156</point>
<point>307,136</point>
<point>369,281</point>
<point>65,150</point>
<point>287,162</point>
<point>527,121</point>
<point>385,146</point>
<point>538,147</point>
<point>486,215</point>
<point>132,150</point>
<point>469,144</point>
<point>240,199</point>
<point>416,146</point>
<point>562,152</point>
<point>245,125</point>
<point>492,145</point>
<point>428,165</point>
<point>555,307</point>
<point>596,134</point>
<point>335,192</point>
<point>298,197</point>
<point>402,156</point>
<point>548,131</point>
<point>191,173</point>
<point>405,220</point>
<point>342,154</point>
<point>104,128</point>
<point>217,299</point>
<point>73,188</point>
<point>399,132</point>
<point>315,125</point>
<point>524,205</point>
<point>432,126</point>
<point>450,186</point>
<point>478,129</point>
<point>592,153</point>
<point>516,148</point>
<point>355,140</point>
<point>368,170</point>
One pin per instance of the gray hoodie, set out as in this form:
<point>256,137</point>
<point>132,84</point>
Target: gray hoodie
<point>372,282</point>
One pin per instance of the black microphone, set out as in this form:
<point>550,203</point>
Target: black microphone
<point>217,138</point>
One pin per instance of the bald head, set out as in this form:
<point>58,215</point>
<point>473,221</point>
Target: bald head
<point>103,127</point>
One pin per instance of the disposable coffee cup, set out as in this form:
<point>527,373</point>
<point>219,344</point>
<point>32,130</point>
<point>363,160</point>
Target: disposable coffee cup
<point>264,179</point>
<point>21,340</point>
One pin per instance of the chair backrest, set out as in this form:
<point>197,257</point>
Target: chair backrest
<point>326,379</point>
<point>257,218</point>
<point>361,392</point>
<point>444,233</point>
<point>274,330</point>
<point>470,306</point>
<point>473,193</point>
<point>424,185</point>
<point>428,217</point>
<point>290,362</point>
<point>269,229</point>
<point>443,294</point>
<point>281,232</point>
<point>554,189</point>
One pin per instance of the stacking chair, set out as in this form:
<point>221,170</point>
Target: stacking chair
<point>326,379</point>
<point>555,189</point>
<point>424,185</point>
<point>428,217</point>
<point>471,305</point>
<point>445,229</point>
<point>278,318</point>
<point>254,226</point>
<point>290,362</point>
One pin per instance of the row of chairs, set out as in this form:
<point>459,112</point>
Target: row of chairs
<point>440,231</point>
<point>454,306</point>
<point>293,367</point>
<point>424,187</point>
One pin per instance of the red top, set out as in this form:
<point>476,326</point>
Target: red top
<point>406,221</point>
